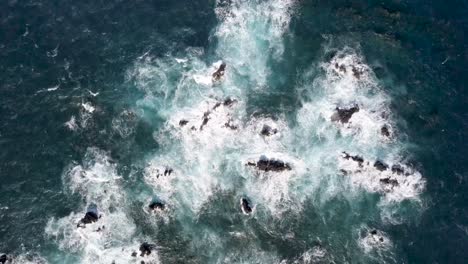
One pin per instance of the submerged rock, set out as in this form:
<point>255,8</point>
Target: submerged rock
<point>380,165</point>
<point>146,248</point>
<point>228,101</point>
<point>385,131</point>
<point>389,181</point>
<point>398,169</point>
<point>265,164</point>
<point>245,206</point>
<point>344,114</point>
<point>356,158</point>
<point>268,131</point>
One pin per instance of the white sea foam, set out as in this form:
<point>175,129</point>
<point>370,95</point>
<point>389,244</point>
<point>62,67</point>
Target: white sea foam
<point>71,124</point>
<point>112,236</point>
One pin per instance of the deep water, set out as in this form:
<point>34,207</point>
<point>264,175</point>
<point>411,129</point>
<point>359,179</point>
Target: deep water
<point>92,95</point>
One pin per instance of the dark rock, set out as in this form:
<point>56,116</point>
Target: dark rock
<point>344,114</point>
<point>389,181</point>
<point>3,258</point>
<point>216,105</point>
<point>380,165</point>
<point>220,72</point>
<point>228,101</point>
<point>134,254</point>
<point>270,165</point>
<point>268,131</point>
<point>157,205</point>
<point>205,119</point>
<point>398,169</point>
<point>381,239</point>
<point>146,249</point>
<point>355,158</point>
<point>344,172</point>
<point>373,232</point>
<point>384,131</point>
<point>357,72</point>
<point>167,171</point>
<point>91,216</point>
<point>183,122</point>
<point>245,206</point>
<point>229,124</point>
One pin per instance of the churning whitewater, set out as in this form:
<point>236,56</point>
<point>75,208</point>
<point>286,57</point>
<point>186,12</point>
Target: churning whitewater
<point>322,183</point>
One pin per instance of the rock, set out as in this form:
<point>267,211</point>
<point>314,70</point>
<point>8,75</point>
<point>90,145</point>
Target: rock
<point>3,258</point>
<point>91,216</point>
<point>357,72</point>
<point>157,205</point>
<point>373,232</point>
<point>146,249</point>
<point>134,254</point>
<point>167,171</point>
<point>265,164</point>
<point>230,125</point>
<point>389,181</point>
<point>228,101</point>
<point>384,131</point>
<point>268,131</point>
<point>219,72</point>
<point>398,169</point>
<point>218,104</point>
<point>380,165</point>
<point>205,119</point>
<point>183,122</point>
<point>356,158</point>
<point>245,206</point>
<point>344,114</point>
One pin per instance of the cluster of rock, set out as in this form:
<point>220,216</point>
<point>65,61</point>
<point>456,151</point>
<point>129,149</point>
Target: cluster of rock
<point>389,176</point>
<point>267,165</point>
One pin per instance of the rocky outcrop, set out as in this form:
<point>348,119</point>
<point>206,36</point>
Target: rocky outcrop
<point>146,249</point>
<point>268,131</point>
<point>246,206</point>
<point>267,165</point>
<point>343,115</point>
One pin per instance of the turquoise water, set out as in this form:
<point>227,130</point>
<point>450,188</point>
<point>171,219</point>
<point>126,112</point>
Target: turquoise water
<point>93,95</point>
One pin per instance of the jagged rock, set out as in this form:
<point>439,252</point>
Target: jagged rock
<point>91,216</point>
<point>268,131</point>
<point>380,165</point>
<point>245,206</point>
<point>219,72</point>
<point>134,254</point>
<point>389,181</point>
<point>356,158</point>
<point>157,205</point>
<point>270,165</point>
<point>385,131</point>
<point>398,169</point>
<point>344,114</point>
<point>3,258</point>
<point>146,249</point>
<point>183,122</point>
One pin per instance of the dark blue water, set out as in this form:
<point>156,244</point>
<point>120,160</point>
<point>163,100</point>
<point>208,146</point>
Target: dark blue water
<point>54,55</point>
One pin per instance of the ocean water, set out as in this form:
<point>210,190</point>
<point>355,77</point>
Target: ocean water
<point>112,104</point>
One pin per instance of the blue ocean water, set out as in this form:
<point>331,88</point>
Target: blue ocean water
<point>100,99</point>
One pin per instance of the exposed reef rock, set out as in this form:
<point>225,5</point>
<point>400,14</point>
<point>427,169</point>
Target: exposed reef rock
<point>343,115</point>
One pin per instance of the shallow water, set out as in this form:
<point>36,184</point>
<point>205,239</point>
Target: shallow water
<point>99,100</point>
